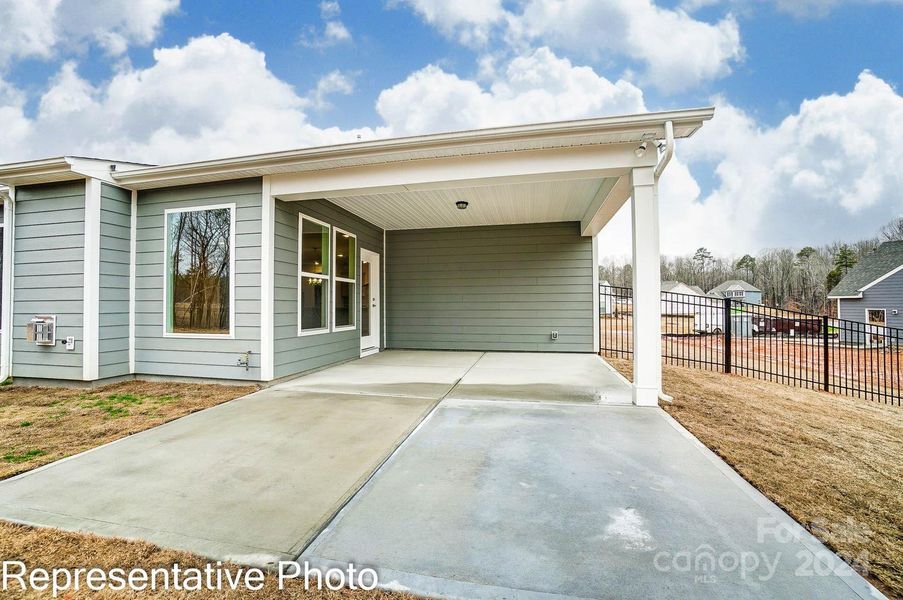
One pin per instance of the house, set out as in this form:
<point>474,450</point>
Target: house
<point>262,267</point>
<point>737,289</point>
<point>677,287</point>
<point>872,291</point>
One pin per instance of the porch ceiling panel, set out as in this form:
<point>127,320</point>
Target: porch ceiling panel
<point>504,204</point>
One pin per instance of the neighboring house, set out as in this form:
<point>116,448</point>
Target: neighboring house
<point>872,291</point>
<point>737,289</point>
<point>262,267</point>
<point>677,287</point>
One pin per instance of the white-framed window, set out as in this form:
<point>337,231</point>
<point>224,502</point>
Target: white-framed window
<point>314,269</point>
<point>344,279</point>
<point>199,271</point>
<point>876,316</point>
<point>738,293</point>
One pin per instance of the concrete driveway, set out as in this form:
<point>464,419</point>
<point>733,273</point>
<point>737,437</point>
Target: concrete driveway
<point>541,500</point>
<point>251,480</point>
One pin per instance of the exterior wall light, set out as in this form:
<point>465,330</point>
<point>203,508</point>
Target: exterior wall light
<point>461,204</point>
<point>640,150</point>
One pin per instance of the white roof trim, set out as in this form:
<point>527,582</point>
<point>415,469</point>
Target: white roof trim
<point>880,279</point>
<point>62,168</point>
<point>846,297</point>
<point>617,129</point>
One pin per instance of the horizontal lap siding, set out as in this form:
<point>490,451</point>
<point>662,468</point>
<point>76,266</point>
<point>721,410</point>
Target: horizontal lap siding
<point>295,354</point>
<point>490,288</point>
<point>115,242</point>
<point>197,357</point>
<point>49,276</point>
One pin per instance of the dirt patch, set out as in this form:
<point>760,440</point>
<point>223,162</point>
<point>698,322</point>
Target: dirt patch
<point>50,548</point>
<point>835,464</point>
<point>39,425</point>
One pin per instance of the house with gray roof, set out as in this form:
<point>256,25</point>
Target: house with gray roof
<point>872,291</point>
<point>737,289</point>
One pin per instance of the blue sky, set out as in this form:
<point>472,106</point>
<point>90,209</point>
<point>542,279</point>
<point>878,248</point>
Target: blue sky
<point>802,150</point>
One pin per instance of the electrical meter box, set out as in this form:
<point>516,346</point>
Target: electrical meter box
<point>41,330</point>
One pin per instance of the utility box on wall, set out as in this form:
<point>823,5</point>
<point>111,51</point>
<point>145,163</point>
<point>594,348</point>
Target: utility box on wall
<point>41,330</point>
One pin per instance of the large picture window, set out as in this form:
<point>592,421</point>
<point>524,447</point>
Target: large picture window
<point>313,276</point>
<point>344,278</point>
<point>199,265</point>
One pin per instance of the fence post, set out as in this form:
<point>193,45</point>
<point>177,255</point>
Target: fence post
<point>728,326</point>
<point>826,372</point>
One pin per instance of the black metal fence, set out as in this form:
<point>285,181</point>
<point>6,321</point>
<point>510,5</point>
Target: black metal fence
<point>789,347</point>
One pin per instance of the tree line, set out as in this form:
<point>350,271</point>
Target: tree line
<point>789,278</point>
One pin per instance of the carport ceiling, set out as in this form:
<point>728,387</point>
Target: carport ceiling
<point>502,204</point>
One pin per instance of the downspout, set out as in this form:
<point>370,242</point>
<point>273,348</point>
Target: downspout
<point>6,320</point>
<point>663,161</point>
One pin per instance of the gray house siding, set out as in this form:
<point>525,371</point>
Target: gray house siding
<point>215,358</point>
<point>115,241</point>
<point>887,294</point>
<point>490,288</point>
<point>294,353</point>
<point>49,276</point>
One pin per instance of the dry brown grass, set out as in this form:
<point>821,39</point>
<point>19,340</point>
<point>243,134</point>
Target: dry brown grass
<point>39,425</point>
<point>835,464</point>
<point>52,548</point>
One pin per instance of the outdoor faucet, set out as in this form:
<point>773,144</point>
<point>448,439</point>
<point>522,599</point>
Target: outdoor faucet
<point>245,360</point>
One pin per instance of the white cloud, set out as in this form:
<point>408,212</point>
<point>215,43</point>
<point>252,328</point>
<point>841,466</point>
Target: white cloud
<point>192,103</point>
<point>797,8</point>
<point>334,82</point>
<point>677,50</point>
<point>334,31</point>
<point>39,28</point>
<point>468,20</point>
<point>536,87</point>
<point>827,172</point>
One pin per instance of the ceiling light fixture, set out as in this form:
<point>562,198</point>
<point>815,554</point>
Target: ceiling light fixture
<point>640,150</point>
<point>461,204</point>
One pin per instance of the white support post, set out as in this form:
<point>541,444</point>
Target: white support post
<point>647,326</point>
<point>91,319</point>
<point>267,282</point>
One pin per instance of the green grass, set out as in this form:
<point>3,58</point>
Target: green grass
<point>116,405</point>
<point>25,424</point>
<point>12,457</point>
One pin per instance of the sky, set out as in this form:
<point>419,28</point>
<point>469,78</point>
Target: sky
<point>802,149</point>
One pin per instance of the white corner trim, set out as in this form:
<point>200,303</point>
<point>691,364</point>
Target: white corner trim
<point>267,282</point>
<point>384,295</point>
<point>6,317</point>
<point>133,262</point>
<point>91,319</point>
<point>880,279</point>
<point>596,311</point>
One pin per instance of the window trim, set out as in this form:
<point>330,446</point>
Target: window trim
<point>351,280</point>
<point>869,323</point>
<point>201,336</point>
<point>328,277</point>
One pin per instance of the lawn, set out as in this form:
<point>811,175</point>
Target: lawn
<point>50,548</point>
<point>834,463</point>
<point>39,425</point>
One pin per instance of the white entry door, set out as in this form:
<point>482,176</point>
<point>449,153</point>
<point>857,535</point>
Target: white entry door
<point>370,309</point>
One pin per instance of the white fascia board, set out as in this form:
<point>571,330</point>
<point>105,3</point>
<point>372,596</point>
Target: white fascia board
<point>91,318</point>
<point>880,279</point>
<point>565,133</point>
<point>604,205</point>
<point>856,297</point>
<point>588,162</point>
